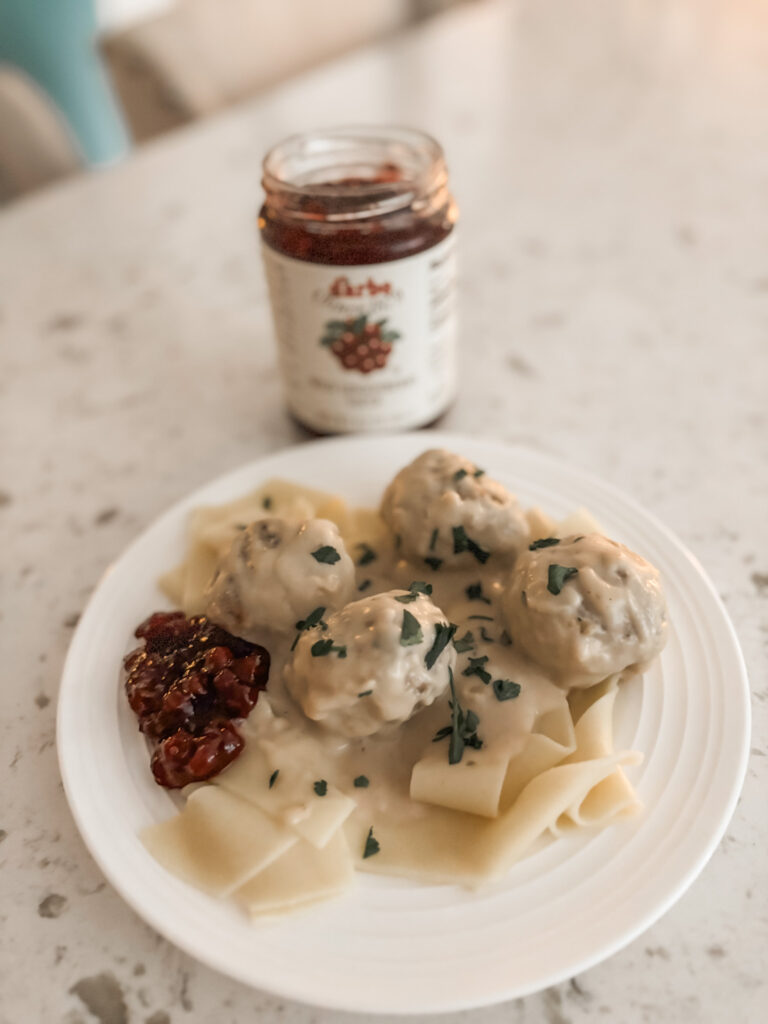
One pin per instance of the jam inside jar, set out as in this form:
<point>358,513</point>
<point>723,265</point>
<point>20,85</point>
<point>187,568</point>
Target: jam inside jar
<point>358,241</point>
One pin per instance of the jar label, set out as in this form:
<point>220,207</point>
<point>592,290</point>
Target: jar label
<point>366,348</point>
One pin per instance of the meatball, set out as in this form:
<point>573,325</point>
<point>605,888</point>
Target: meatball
<point>445,510</point>
<point>585,608</point>
<point>376,663</point>
<point>277,571</point>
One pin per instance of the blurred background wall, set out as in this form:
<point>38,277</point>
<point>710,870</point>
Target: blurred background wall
<point>83,81</point>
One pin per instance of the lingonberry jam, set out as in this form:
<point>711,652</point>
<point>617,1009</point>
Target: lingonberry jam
<point>186,683</point>
<point>357,234</point>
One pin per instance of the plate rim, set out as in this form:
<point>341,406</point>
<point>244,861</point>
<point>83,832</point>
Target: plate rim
<point>454,441</point>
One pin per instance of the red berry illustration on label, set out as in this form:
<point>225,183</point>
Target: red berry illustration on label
<point>359,345</point>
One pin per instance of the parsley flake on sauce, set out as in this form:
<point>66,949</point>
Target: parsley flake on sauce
<point>414,590</point>
<point>464,643</point>
<point>459,475</point>
<point>476,667</point>
<point>266,502</point>
<point>474,592</point>
<point>361,782</point>
<point>443,635</point>
<point>461,542</point>
<point>486,636</point>
<point>478,473</point>
<point>363,586</point>
<point>365,693</point>
<point>434,563</point>
<point>320,787</point>
<point>371,845</point>
<point>410,631</point>
<point>433,539</point>
<point>484,618</point>
<point>273,777</point>
<point>543,542</point>
<point>462,730</point>
<point>315,618</point>
<point>367,554</point>
<point>559,575</point>
<point>505,689</point>
<point>326,554</point>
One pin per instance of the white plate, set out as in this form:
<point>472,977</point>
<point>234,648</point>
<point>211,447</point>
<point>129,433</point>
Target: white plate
<point>393,946</point>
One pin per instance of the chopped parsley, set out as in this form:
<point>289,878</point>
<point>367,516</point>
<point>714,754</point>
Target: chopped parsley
<point>367,554</point>
<point>326,554</point>
<point>443,635</point>
<point>266,502</point>
<point>361,782</point>
<point>505,638</point>
<point>414,590</point>
<point>410,632</point>
<point>365,693</point>
<point>484,636</point>
<point>320,648</point>
<point>475,593</point>
<point>478,473</point>
<point>320,787</point>
<point>315,618</point>
<point>398,541</point>
<point>505,689</point>
<point>433,539</point>
<point>434,563</point>
<point>459,475</point>
<point>371,845</point>
<point>464,643</point>
<point>558,575</point>
<point>273,777</point>
<point>476,667</point>
<point>363,586</point>
<point>485,618</point>
<point>461,542</point>
<point>462,730</point>
<point>543,542</point>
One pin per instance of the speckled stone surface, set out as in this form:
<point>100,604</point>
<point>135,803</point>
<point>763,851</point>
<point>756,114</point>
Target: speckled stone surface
<point>611,166</point>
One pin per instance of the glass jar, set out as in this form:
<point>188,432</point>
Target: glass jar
<point>358,241</point>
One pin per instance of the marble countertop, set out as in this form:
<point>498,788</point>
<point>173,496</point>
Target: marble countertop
<point>610,164</point>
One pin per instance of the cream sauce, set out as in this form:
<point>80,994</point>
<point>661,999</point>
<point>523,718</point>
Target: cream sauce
<point>387,758</point>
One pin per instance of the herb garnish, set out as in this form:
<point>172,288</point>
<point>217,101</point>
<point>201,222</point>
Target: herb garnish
<point>488,639</point>
<point>414,590</point>
<point>434,563</point>
<point>461,542</point>
<point>398,541</point>
<point>320,787</point>
<point>462,730</point>
<point>505,638</point>
<point>371,844</point>
<point>361,782</point>
<point>558,575</point>
<point>365,693</point>
<point>475,593</point>
<point>465,643</point>
<point>476,668</point>
<point>273,777</point>
<point>367,554</point>
<point>459,475</point>
<point>478,473</point>
<point>320,648</point>
<point>326,554</point>
<point>543,542</point>
<point>363,586</point>
<point>505,689</point>
<point>443,635</point>
<point>315,618</point>
<point>266,502</point>
<point>410,632</point>
<point>433,539</point>
<point>485,618</point>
